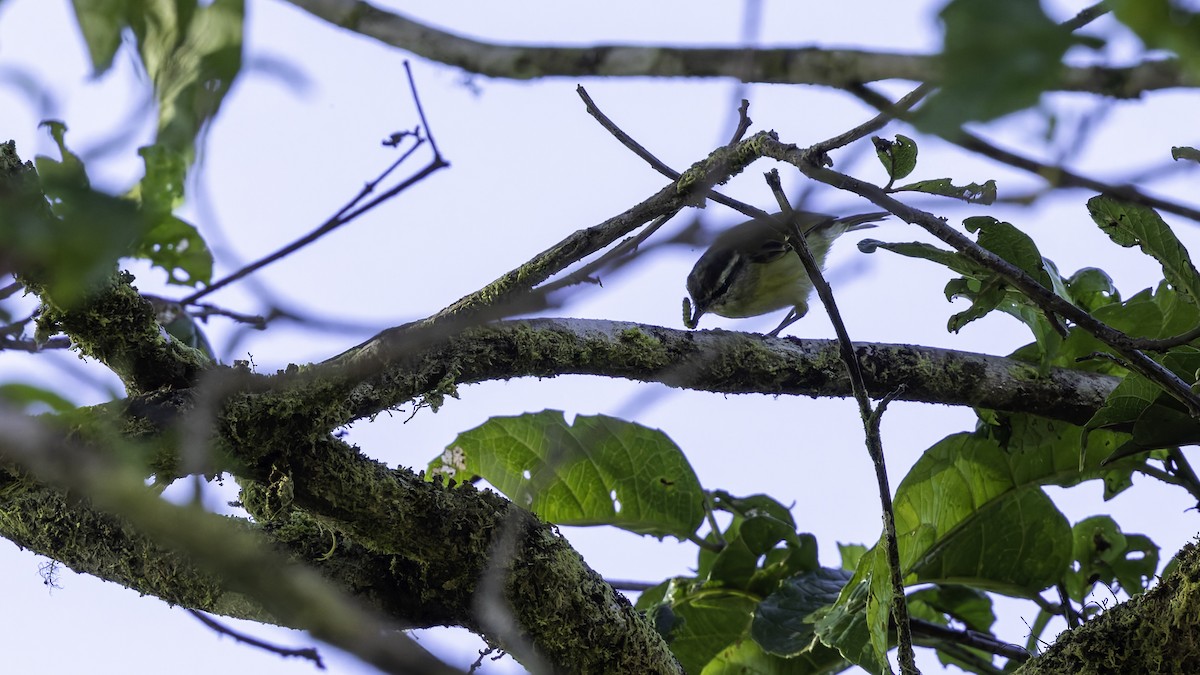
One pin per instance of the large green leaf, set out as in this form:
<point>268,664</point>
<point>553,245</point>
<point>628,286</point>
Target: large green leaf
<point>101,22</point>
<point>782,623</point>
<point>600,471</point>
<point>1134,225</point>
<point>971,512</point>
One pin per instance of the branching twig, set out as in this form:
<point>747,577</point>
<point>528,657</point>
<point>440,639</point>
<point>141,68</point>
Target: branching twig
<point>349,212</point>
<point>1043,297</point>
<point>870,423</point>
<point>872,125</point>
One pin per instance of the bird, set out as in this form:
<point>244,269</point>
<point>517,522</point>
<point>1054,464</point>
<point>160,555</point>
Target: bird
<point>751,268</point>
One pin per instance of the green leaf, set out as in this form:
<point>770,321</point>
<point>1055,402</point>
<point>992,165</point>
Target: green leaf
<point>851,554</point>
<point>916,249</point>
<point>972,193</point>
<point>31,398</point>
<point>176,246</point>
<point>782,624</point>
<point>747,658</point>
<point>899,157</point>
<point>101,22</point>
<point>736,565</point>
<point>1011,244</point>
<point>601,471</point>
<point>1185,152</point>
<point>65,236</point>
<point>759,504</point>
<point>998,57</point>
<point>969,606</point>
<point>1106,555</point>
<point>707,622</point>
<point>192,53</point>
<point>964,516</point>
<point>1163,24</point>
<point>879,605</point>
<point>1091,288</point>
<point>844,624</point>
<point>1133,225</point>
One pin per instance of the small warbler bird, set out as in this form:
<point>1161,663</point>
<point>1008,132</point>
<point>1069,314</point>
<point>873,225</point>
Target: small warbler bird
<point>751,268</point>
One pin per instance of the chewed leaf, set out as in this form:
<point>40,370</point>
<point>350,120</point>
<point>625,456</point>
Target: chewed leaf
<point>984,193</point>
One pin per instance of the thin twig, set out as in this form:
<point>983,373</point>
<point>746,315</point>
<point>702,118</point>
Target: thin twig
<point>8,290</point>
<point>1085,16</point>
<point>743,124</point>
<point>1043,297</point>
<point>970,638</point>
<point>309,653</point>
<point>1055,176</point>
<point>632,586</point>
<point>872,125</point>
<point>655,162</point>
<point>898,603</point>
<point>348,212</point>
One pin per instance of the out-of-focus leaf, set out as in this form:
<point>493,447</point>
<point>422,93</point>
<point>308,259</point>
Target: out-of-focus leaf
<point>599,471</point>
<point>101,22</point>
<point>1163,24</point>
<point>29,397</point>
<point>998,57</point>
<point>176,247</point>
<point>61,234</point>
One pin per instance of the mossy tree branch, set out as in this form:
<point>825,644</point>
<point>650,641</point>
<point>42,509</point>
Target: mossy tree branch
<point>837,68</point>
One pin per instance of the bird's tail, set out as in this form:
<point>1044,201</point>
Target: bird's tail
<point>845,224</point>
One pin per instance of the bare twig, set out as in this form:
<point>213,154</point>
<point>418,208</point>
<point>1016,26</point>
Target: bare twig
<point>349,212</point>
<point>870,421</point>
<point>872,125</point>
<point>1085,16</point>
<point>309,653</point>
<point>970,638</point>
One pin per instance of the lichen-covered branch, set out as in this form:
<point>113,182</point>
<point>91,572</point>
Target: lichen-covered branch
<point>791,65</point>
<point>406,366</point>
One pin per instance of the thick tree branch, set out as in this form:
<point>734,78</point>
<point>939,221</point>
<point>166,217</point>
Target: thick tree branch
<point>795,65</point>
<point>717,361</point>
<point>212,543</point>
